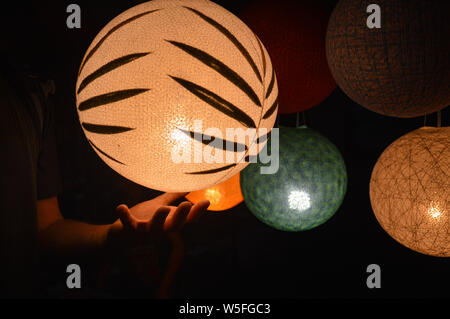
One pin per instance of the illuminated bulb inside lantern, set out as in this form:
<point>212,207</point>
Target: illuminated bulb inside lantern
<point>173,126</point>
<point>178,135</point>
<point>213,195</point>
<point>299,200</point>
<point>177,138</point>
<point>434,211</point>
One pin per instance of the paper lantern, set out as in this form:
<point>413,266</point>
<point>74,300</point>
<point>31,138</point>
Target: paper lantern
<point>222,196</point>
<point>294,33</point>
<point>308,188</point>
<point>161,72</point>
<point>400,69</point>
<point>410,190</point>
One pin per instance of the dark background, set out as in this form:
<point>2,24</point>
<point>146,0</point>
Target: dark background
<point>230,254</point>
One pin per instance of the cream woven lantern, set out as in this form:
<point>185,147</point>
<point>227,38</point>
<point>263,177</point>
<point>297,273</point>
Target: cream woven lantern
<point>410,190</point>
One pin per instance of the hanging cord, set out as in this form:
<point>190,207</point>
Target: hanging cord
<point>439,119</point>
<point>303,119</point>
<point>425,120</point>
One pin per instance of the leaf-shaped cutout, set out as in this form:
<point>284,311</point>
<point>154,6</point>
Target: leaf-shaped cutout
<point>102,152</point>
<point>114,29</point>
<point>216,102</point>
<point>105,129</point>
<point>230,37</point>
<point>207,140</point>
<point>221,68</point>
<point>110,97</point>
<point>212,171</point>
<point>108,67</point>
<point>271,84</point>
<point>271,109</point>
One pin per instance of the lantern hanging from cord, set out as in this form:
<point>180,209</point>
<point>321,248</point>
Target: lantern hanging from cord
<point>308,187</point>
<point>410,190</point>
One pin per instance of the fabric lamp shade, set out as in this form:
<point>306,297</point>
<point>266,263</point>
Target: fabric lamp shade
<point>294,33</point>
<point>401,69</point>
<point>308,188</point>
<point>222,196</point>
<point>410,190</point>
<point>163,72</point>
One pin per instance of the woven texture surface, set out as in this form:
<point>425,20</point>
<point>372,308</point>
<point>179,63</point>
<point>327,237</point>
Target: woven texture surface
<point>401,69</point>
<point>410,190</point>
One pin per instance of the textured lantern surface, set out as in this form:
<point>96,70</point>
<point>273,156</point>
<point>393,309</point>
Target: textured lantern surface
<point>158,69</point>
<point>401,69</point>
<point>294,33</point>
<point>222,196</point>
<point>410,190</point>
<point>308,188</point>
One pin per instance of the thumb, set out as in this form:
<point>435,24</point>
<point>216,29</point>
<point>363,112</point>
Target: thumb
<point>168,198</point>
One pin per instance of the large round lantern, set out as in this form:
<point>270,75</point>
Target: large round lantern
<point>391,56</point>
<point>165,79</point>
<point>308,187</point>
<point>221,196</point>
<point>294,33</point>
<point>410,190</point>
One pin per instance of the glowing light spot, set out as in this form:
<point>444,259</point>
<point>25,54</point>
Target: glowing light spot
<point>177,139</point>
<point>178,135</point>
<point>299,200</point>
<point>434,211</point>
<point>213,195</point>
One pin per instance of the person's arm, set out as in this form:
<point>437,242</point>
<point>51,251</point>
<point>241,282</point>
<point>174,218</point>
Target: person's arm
<point>150,218</point>
<point>59,235</point>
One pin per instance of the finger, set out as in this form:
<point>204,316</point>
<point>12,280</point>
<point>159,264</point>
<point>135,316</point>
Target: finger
<point>197,211</point>
<point>177,217</point>
<point>141,225</point>
<point>156,223</point>
<point>125,216</point>
<point>167,198</point>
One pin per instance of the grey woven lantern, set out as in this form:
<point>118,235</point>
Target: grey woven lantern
<point>400,69</point>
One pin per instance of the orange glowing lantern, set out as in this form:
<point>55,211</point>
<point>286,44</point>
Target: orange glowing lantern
<point>222,196</point>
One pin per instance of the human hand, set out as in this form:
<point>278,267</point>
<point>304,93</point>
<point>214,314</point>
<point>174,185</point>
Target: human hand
<point>156,216</point>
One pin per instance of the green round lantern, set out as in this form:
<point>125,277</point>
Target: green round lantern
<point>308,187</point>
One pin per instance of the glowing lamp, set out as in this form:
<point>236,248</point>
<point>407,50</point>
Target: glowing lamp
<point>222,196</point>
<point>410,190</point>
<point>163,73</point>
<point>308,187</point>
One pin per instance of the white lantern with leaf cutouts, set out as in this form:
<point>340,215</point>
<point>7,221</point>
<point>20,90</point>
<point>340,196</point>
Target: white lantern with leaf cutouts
<point>158,70</point>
